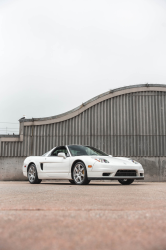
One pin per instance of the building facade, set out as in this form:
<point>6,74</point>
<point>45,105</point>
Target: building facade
<point>127,122</point>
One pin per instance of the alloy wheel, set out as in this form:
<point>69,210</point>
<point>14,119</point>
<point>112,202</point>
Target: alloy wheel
<point>32,173</point>
<point>79,173</point>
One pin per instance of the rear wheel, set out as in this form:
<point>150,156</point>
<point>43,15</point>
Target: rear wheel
<point>80,174</point>
<point>126,181</point>
<point>32,175</point>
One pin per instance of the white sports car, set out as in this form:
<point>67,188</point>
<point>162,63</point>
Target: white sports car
<point>81,164</point>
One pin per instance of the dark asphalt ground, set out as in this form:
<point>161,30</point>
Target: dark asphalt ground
<point>102,215</point>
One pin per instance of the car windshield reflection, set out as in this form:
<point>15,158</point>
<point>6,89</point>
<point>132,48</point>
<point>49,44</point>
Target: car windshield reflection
<point>78,150</point>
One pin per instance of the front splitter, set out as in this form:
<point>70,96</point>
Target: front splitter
<point>116,178</point>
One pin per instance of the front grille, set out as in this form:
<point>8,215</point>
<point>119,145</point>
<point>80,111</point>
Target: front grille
<point>126,173</point>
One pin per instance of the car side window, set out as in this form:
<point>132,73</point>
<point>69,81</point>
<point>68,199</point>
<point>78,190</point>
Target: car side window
<point>60,150</point>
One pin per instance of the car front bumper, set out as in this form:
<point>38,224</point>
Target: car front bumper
<point>110,172</point>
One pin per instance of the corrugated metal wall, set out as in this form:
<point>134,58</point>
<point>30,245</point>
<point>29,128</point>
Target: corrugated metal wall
<point>132,124</point>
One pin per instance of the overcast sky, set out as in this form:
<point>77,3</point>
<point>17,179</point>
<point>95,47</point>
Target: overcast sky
<point>56,54</point>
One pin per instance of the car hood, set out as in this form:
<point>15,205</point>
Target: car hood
<point>118,160</point>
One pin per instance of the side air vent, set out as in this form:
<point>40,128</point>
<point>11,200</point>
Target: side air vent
<point>41,165</point>
<point>106,174</point>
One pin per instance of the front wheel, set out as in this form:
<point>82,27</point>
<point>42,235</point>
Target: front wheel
<point>126,181</point>
<point>32,175</point>
<point>80,174</point>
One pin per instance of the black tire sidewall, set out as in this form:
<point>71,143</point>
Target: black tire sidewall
<point>128,182</point>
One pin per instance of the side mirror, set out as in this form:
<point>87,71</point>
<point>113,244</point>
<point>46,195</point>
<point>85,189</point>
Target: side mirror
<point>62,155</point>
<point>110,156</point>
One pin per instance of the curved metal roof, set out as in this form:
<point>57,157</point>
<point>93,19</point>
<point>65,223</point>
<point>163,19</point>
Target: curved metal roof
<point>109,94</point>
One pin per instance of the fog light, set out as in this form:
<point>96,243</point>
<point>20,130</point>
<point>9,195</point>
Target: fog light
<point>106,174</point>
<point>141,174</point>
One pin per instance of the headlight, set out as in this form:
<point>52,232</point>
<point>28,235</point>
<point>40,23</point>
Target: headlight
<point>101,160</point>
<point>133,161</point>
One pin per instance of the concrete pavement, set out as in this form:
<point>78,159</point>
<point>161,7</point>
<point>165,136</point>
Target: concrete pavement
<point>102,215</point>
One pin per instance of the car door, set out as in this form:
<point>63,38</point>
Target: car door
<point>55,165</point>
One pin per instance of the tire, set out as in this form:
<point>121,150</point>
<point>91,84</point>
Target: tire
<point>80,174</point>
<point>32,175</point>
<point>126,181</point>
<point>72,182</point>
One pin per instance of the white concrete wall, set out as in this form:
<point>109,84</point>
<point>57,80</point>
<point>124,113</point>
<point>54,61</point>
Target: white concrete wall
<point>155,167</point>
<point>11,169</point>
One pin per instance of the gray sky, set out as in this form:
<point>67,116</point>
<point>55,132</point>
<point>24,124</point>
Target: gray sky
<point>56,54</point>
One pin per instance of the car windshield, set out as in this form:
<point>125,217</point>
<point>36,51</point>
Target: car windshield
<point>46,153</point>
<point>77,150</point>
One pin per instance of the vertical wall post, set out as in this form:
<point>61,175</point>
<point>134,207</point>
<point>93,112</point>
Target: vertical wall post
<point>32,136</point>
<point>0,147</point>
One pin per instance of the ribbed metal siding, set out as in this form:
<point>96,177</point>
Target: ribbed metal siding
<point>128,125</point>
